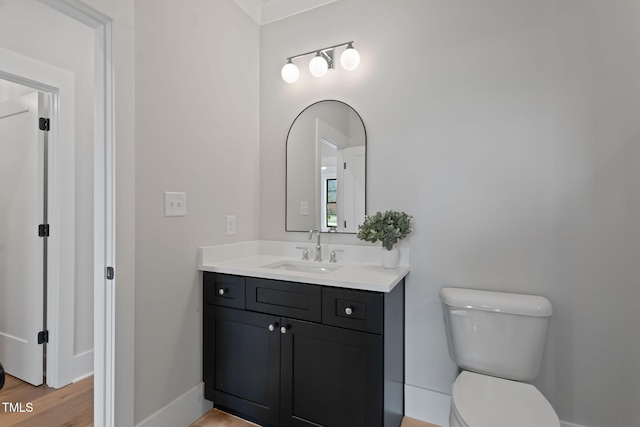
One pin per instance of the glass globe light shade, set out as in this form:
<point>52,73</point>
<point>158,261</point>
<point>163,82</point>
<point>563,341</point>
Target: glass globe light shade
<point>318,66</point>
<point>290,72</point>
<point>350,58</point>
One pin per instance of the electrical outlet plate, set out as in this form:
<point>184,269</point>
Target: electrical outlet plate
<point>175,204</point>
<point>231,225</point>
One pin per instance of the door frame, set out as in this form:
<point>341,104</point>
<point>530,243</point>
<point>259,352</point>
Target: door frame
<point>29,72</point>
<point>61,207</point>
<point>104,204</point>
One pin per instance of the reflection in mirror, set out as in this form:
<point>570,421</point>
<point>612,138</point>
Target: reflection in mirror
<point>326,164</point>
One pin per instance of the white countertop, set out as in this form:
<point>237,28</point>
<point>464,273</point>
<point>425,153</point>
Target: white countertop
<point>251,258</point>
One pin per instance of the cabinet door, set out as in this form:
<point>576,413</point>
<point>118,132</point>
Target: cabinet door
<point>331,377</point>
<point>242,363</point>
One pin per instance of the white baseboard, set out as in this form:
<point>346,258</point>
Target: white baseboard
<point>181,412</point>
<point>427,405</point>
<point>82,366</point>
<point>422,404</point>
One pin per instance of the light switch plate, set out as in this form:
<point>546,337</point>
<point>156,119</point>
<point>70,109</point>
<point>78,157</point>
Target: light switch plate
<point>175,204</point>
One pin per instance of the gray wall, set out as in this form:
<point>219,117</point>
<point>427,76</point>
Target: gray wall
<point>197,75</point>
<point>510,130</point>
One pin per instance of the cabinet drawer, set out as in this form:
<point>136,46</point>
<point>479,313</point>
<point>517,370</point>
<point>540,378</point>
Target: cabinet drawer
<point>224,289</point>
<point>353,309</point>
<point>297,300</point>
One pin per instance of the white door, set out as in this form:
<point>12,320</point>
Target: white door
<point>351,181</point>
<point>21,249</point>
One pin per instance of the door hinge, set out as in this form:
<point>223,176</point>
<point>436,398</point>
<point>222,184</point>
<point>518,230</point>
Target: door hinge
<point>44,124</point>
<point>43,230</point>
<point>111,273</point>
<point>43,337</point>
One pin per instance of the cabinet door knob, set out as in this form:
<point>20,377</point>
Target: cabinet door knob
<point>283,330</point>
<point>221,291</point>
<point>348,311</point>
<point>272,327</point>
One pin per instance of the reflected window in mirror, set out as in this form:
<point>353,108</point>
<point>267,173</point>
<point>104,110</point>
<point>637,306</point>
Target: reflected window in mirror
<point>326,169</point>
<point>331,217</point>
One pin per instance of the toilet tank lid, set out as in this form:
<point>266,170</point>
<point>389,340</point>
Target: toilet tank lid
<point>499,302</point>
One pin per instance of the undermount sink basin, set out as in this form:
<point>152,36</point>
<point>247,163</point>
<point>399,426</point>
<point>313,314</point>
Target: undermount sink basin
<point>304,266</point>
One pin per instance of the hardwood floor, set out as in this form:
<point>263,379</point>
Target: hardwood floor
<point>23,405</point>
<point>217,418</point>
<point>410,422</point>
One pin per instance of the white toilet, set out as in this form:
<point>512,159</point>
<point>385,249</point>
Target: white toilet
<point>497,339</point>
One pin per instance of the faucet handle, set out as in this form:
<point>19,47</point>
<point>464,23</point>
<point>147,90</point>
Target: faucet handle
<point>305,253</point>
<point>332,255</point>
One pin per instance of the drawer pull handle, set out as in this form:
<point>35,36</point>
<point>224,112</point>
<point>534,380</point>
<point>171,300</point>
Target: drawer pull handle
<point>348,311</point>
<point>272,327</point>
<point>222,291</point>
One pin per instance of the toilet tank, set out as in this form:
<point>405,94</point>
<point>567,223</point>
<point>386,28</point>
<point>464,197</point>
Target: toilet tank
<point>496,333</point>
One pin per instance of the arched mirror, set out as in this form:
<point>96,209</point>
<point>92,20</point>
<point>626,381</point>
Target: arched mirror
<point>326,169</point>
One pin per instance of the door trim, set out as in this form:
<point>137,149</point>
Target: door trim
<point>104,204</point>
<point>104,200</point>
<point>61,205</point>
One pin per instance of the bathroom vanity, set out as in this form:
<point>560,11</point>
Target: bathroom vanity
<point>291,348</point>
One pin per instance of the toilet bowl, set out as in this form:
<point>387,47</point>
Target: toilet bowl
<point>497,339</point>
<point>484,401</point>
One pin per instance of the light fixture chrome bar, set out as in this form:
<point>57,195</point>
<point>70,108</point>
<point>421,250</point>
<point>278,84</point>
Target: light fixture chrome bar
<point>327,54</point>
<point>318,50</point>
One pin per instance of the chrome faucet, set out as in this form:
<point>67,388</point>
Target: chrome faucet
<point>318,251</point>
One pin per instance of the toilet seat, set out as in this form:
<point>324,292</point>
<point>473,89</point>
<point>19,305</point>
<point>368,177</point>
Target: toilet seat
<point>484,401</point>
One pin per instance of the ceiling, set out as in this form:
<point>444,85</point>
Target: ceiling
<point>266,11</point>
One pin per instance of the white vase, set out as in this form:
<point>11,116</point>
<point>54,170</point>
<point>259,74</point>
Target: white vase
<point>390,258</point>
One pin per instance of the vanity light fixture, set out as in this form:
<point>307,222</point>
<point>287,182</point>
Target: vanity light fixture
<point>322,62</point>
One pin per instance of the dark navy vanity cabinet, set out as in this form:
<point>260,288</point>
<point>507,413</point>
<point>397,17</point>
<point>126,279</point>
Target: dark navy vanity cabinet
<point>288,354</point>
